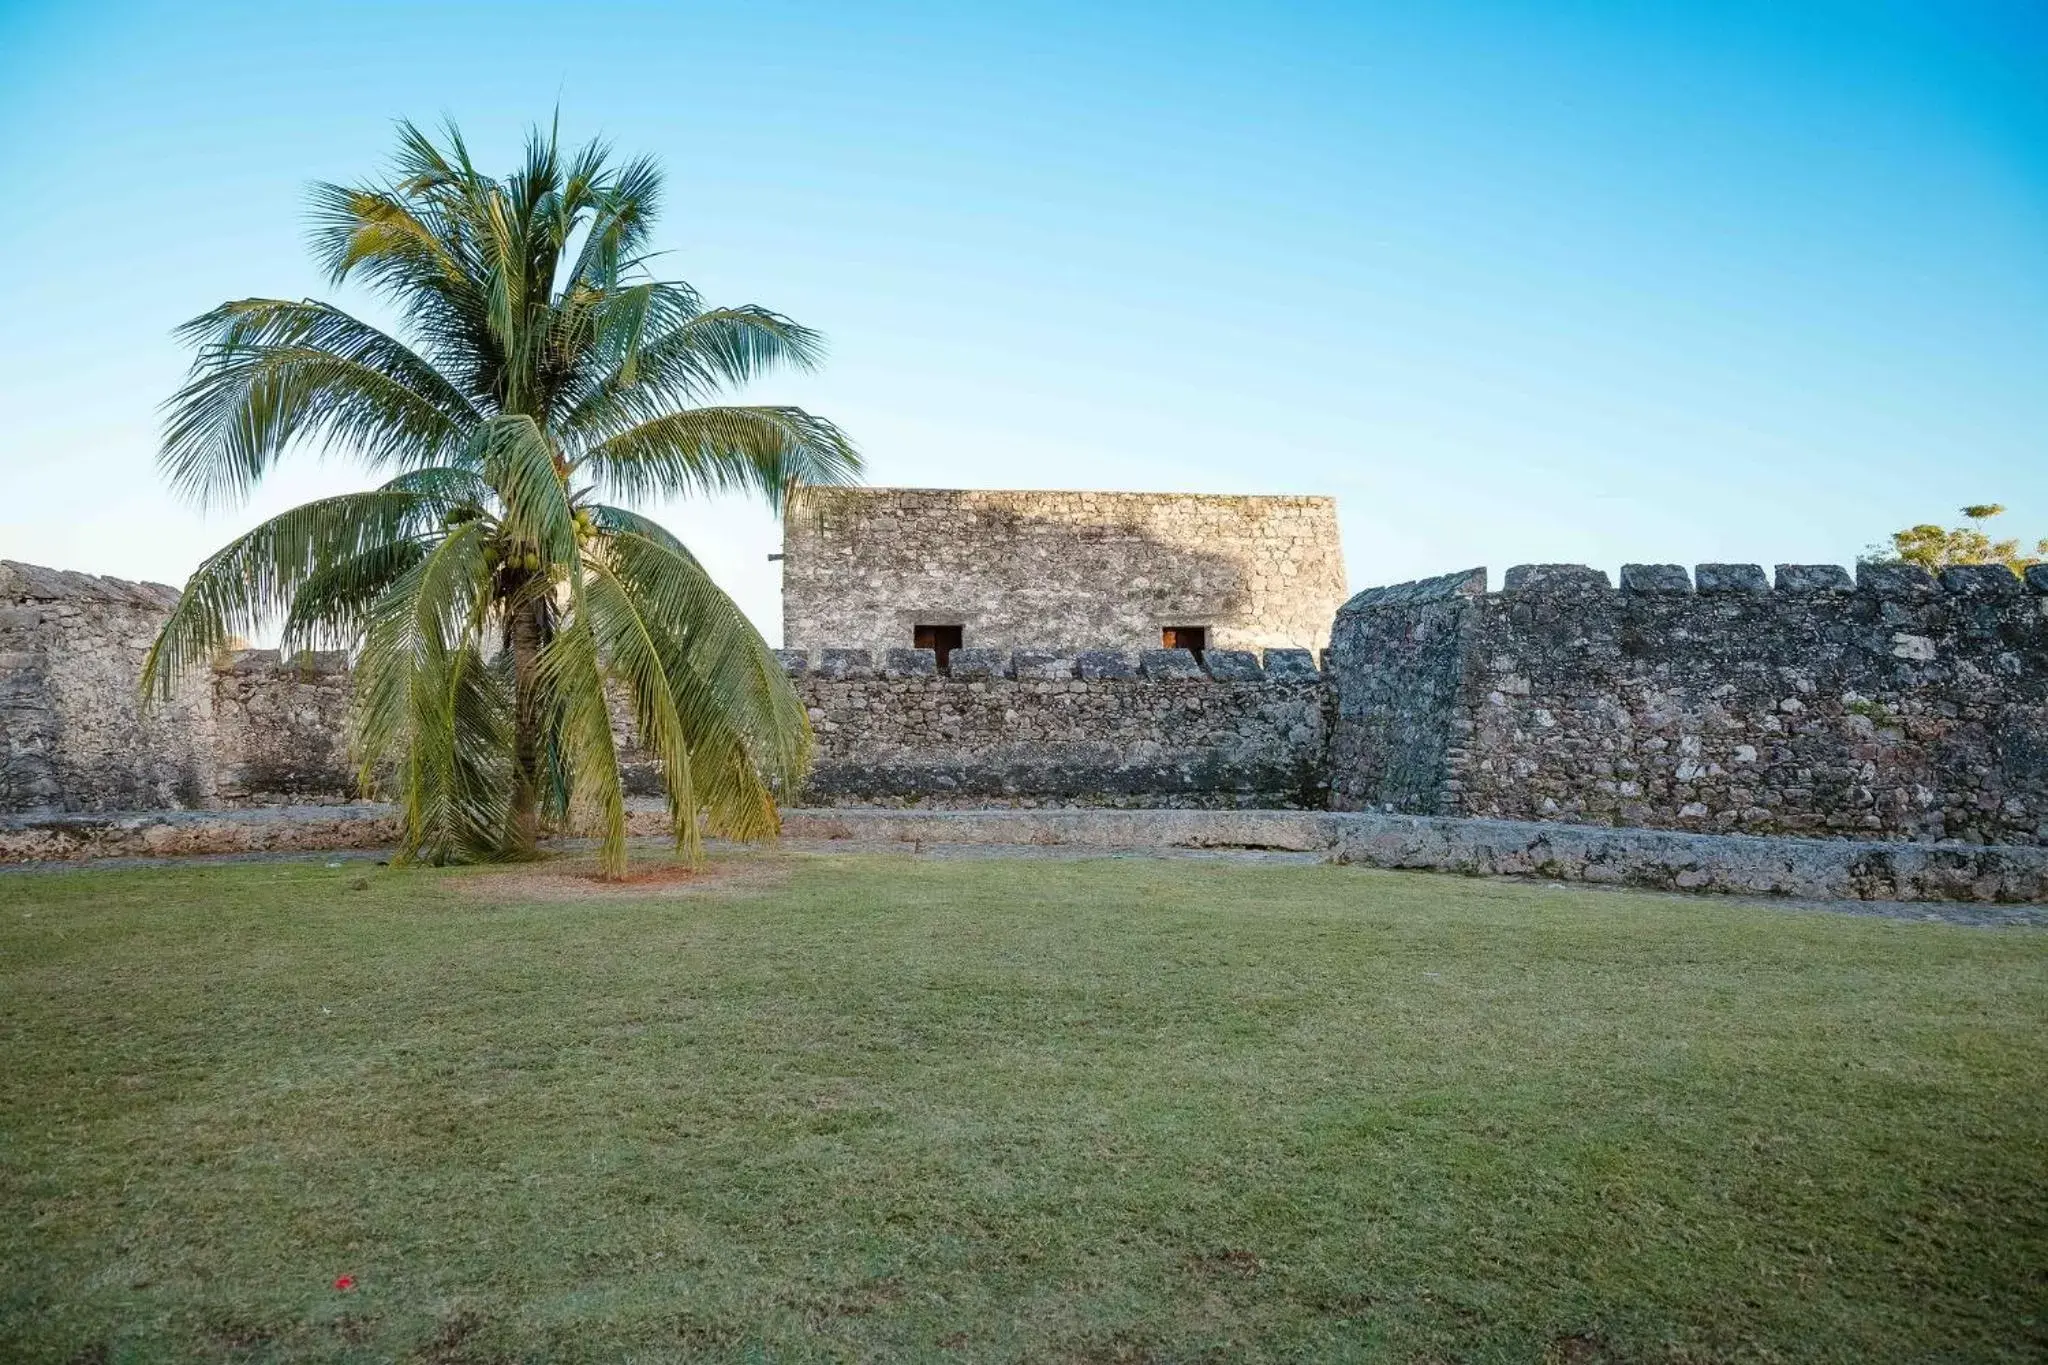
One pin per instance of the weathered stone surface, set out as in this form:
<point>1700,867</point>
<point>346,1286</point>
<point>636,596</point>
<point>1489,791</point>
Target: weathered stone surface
<point>1981,580</point>
<point>1552,578</point>
<point>1291,665</point>
<point>1040,665</point>
<point>1814,713</point>
<point>1837,869</point>
<point>1058,739</point>
<point>1818,869</point>
<point>1722,579</point>
<point>1168,663</point>
<point>1069,570</point>
<point>795,662</point>
<point>845,663</point>
<point>969,664</point>
<point>1808,580</point>
<point>1464,583</point>
<point>73,733</point>
<point>1655,578</point>
<point>2037,578</point>
<point>1096,665</point>
<point>911,663</point>
<point>1898,582</point>
<point>1232,665</point>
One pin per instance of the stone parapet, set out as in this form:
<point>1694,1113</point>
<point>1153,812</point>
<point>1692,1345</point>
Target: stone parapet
<point>1891,704</point>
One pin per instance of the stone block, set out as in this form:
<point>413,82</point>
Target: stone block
<point>249,661</point>
<point>1233,665</point>
<point>1556,578</point>
<point>1095,664</point>
<point>795,662</point>
<point>2037,578</point>
<point>1169,663</point>
<point>1981,580</point>
<point>1728,580</point>
<point>910,663</point>
<point>1290,665</point>
<point>1658,578</point>
<point>1442,588</point>
<point>838,664</point>
<point>1041,665</point>
<point>1896,582</point>
<point>976,665</point>
<point>1813,580</point>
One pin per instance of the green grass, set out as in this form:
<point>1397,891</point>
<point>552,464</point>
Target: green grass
<point>1090,1111</point>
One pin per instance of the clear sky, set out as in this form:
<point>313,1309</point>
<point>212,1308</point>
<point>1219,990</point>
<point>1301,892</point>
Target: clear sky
<point>1514,281</point>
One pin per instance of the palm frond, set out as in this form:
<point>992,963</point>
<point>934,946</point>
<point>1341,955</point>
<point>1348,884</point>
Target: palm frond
<point>764,450</point>
<point>271,372</point>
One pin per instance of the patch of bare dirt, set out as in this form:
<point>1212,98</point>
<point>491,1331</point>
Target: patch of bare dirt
<point>648,877</point>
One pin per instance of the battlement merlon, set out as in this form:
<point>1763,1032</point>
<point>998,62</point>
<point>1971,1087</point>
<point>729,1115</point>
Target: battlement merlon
<point>1890,582</point>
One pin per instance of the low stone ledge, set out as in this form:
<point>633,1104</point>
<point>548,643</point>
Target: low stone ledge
<point>178,833</point>
<point>1665,860</point>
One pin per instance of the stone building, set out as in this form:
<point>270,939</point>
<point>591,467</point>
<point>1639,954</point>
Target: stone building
<point>933,568</point>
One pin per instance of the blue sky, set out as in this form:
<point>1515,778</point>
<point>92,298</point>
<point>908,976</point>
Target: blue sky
<point>1539,281</point>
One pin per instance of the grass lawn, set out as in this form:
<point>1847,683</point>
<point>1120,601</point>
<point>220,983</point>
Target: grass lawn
<point>866,1107</point>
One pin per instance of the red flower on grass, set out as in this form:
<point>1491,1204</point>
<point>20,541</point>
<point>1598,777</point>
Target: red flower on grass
<point>345,1282</point>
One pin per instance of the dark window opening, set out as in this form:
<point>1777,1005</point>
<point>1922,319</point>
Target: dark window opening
<point>1193,639</point>
<point>940,640</point>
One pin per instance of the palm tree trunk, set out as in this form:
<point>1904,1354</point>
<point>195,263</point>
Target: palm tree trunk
<point>524,836</point>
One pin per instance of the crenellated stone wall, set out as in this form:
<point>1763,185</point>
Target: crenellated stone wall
<point>1890,705</point>
<point>1045,728</point>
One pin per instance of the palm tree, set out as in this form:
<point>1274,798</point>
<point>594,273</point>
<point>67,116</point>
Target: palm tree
<point>487,596</point>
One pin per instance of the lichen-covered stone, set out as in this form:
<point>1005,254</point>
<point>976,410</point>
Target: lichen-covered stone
<point>1655,578</point>
<point>1232,665</point>
<point>1725,579</point>
<point>970,664</point>
<point>1039,665</point>
<point>1096,665</point>
<point>1168,663</point>
<point>1530,578</point>
<point>1898,582</point>
<point>1291,665</point>
<point>910,663</point>
<point>1981,580</point>
<point>845,663</point>
<point>1807,580</point>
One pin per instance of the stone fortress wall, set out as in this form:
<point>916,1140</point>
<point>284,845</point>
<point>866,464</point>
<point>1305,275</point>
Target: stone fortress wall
<point>1887,706</point>
<point>1043,728</point>
<point>862,567</point>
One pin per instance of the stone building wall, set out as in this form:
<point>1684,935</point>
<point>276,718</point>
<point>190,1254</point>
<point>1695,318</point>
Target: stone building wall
<point>1887,706</point>
<point>862,567</point>
<point>1048,729</point>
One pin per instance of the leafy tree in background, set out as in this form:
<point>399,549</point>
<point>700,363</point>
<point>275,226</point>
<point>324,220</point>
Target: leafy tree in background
<point>485,591</point>
<point>1935,548</point>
